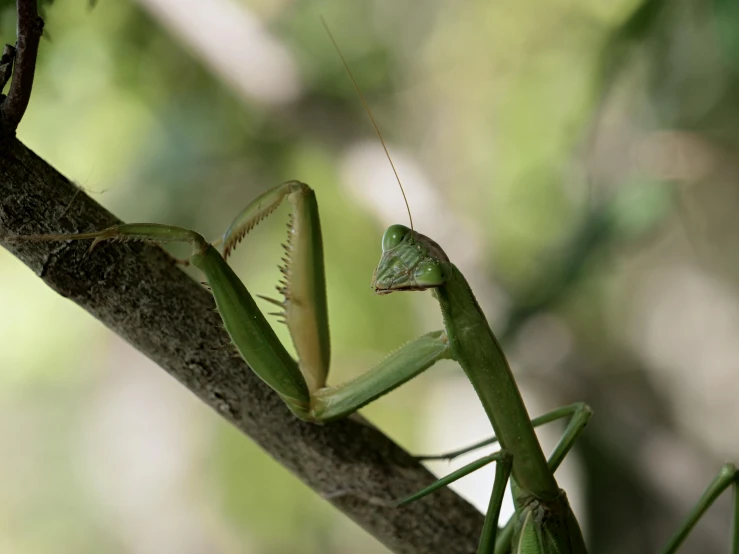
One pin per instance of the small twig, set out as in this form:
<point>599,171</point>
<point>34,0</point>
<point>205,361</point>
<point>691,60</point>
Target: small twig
<point>29,29</point>
<point>6,65</point>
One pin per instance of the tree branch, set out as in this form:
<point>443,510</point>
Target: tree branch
<point>30,28</point>
<point>138,292</point>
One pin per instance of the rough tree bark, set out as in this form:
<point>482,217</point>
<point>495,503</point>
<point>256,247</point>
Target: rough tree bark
<point>138,292</point>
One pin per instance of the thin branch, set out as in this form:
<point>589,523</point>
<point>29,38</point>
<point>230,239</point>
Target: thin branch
<point>137,291</point>
<point>29,29</point>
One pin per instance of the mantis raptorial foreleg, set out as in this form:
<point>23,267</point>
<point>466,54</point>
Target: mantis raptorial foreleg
<point>301,384</point>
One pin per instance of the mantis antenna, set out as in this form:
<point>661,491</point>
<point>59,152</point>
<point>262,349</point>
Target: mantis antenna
<point>369,113</point>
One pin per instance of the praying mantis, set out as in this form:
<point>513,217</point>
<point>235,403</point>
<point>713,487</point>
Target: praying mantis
<point>410,261</point>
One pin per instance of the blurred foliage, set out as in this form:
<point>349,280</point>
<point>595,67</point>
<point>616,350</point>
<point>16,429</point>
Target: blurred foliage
<point>576,159</point>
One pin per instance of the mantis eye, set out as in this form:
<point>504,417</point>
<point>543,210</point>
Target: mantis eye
<point>431,274</point>
<point>393,236</point>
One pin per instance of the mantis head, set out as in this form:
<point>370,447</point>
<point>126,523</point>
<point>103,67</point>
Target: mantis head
<point>410,261</point>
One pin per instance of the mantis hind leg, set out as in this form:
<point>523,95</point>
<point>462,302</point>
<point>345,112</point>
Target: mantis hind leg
<point>490,525</point>
<point>502,474</point>
<point>727,476</point>
<point>579,413</point>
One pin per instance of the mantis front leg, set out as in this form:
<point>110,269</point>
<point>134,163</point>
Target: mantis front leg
<point>302,383</point>
<point>304,309</point>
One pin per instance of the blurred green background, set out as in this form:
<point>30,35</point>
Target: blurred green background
<point>576,159</point>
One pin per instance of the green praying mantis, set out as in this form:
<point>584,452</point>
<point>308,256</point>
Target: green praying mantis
<point>543,522</point>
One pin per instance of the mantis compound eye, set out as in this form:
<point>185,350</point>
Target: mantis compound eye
<point>393,236</point>
<point>431,274</point>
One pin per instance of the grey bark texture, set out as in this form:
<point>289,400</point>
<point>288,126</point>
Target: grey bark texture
<point>137,291</point>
